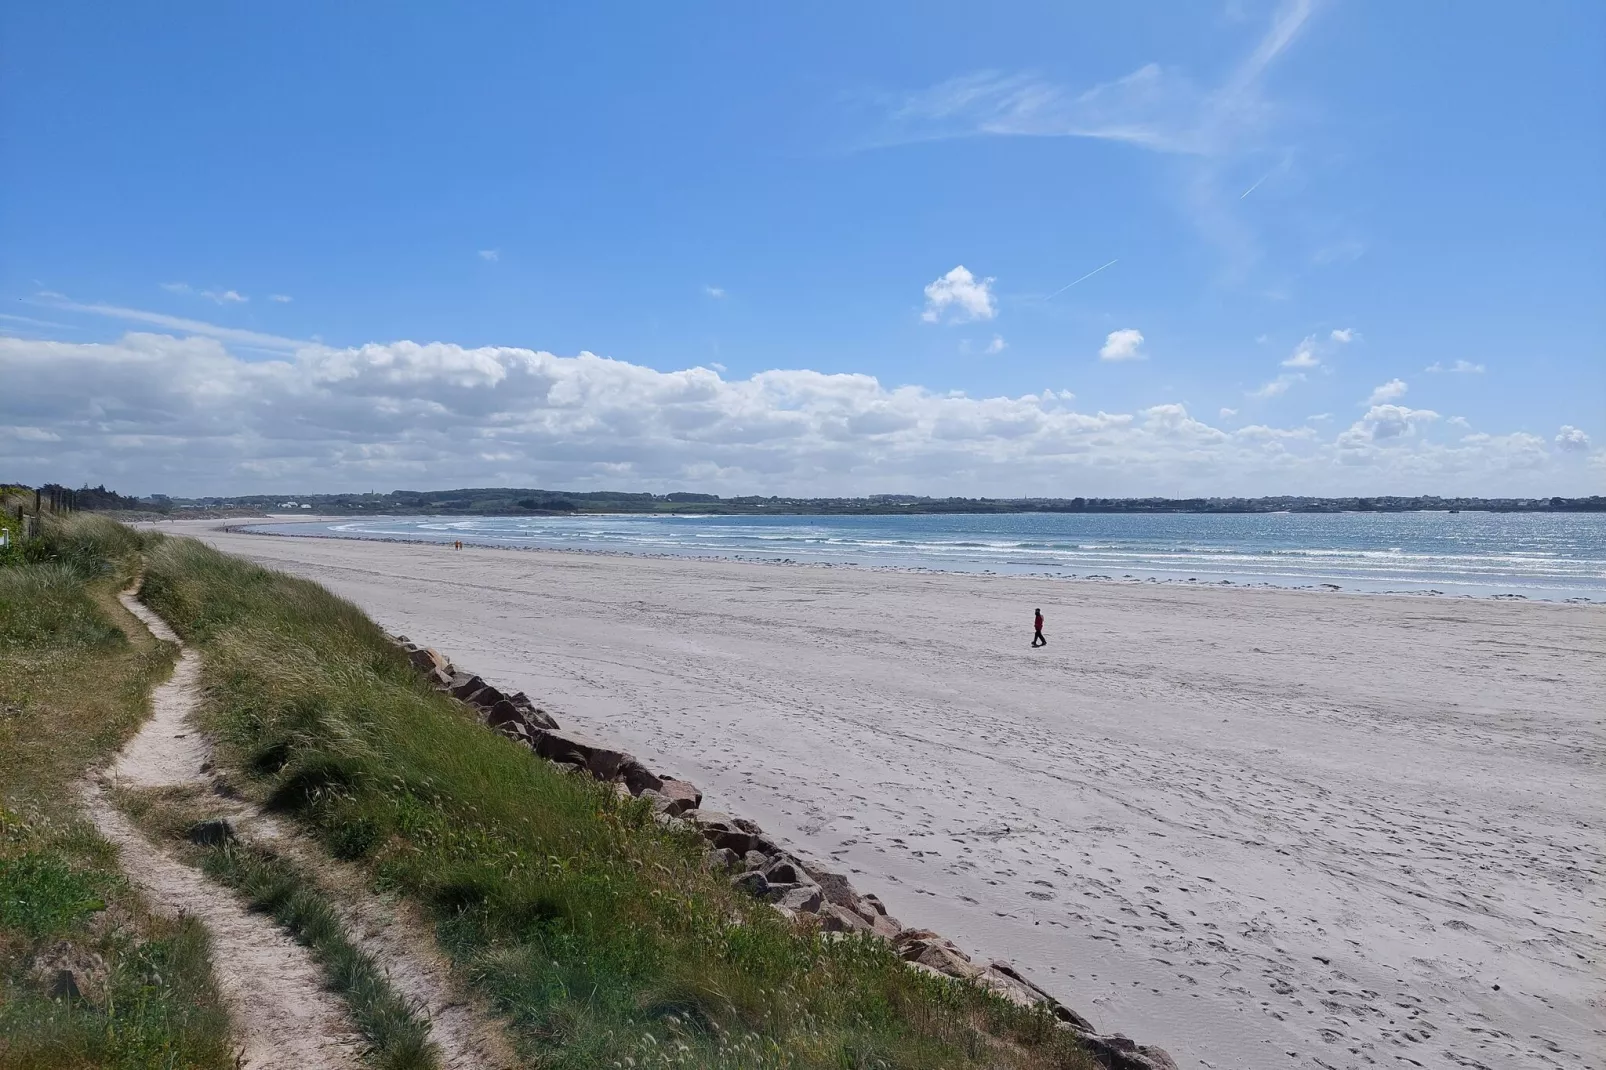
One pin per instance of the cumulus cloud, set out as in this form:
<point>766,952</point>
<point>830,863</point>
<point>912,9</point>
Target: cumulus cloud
<point>1125,344</point>
<point>997,345</point>
<point>490,256</point>
<point>1343,335</point>
<point>1227,414</point>
<point>1384,422</point>
<point>959,297</point>
<point>1390,390</point>
<point>1460,367</point>
<point>185,415</point>
<point>1572,439</point>
<point>714,291</point>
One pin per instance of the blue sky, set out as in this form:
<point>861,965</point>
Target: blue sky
<point>299,247</point>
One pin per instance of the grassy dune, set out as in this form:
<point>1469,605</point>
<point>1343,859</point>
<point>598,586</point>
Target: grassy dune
<point>601,937</point>
<point>75,675</point>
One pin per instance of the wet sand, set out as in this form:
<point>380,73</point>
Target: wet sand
<point>1258,828</point>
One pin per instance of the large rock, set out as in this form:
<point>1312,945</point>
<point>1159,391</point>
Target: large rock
<point>1120,1052</point>
<point>783,870</point>
<point>802,898</point>
<point>533,713</point>
<point>834,886</point>
<point>722,831</point>
<point>504,712</point>
<point>885,926</point>
<point>485,697</point>
<point>834,919</point>
<point>427,659</point>
<point>566,746</point>
<point>751,882</point>
<point>740,842</point>
<point>465,684</point>
<point>681,796</point>
<point>925,946</point>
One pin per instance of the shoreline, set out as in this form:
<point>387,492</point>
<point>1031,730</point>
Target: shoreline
<point>1123,581</point>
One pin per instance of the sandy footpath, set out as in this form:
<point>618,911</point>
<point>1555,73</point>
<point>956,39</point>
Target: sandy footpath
<point>1257,828</point>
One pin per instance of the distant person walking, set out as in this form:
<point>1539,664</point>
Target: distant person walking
<point>1037,629</point>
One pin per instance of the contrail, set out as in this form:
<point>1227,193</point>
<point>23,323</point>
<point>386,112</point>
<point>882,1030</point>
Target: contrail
<point>1256,186</point>
<point>1084,278</point>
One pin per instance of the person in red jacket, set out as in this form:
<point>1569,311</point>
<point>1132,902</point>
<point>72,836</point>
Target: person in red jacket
<point>1037,627</point>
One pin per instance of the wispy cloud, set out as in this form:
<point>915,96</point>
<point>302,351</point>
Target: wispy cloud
<point>997,345</point>
<point>1304,355</point>
<point>1153,107</point>
<point>280,299</point>
<point>1460,367</point>
<point>253,339</point>
<point>1278,386</point>
<point>714,291</point>
<point>217,297</point>
<point>490,256</point>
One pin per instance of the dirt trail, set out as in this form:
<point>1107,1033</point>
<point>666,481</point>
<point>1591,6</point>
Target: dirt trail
<point>284,1015</point>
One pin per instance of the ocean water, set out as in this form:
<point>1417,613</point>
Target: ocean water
<point>1534,555</point>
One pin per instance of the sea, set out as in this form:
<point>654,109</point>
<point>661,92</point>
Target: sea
<point>1555,556</point>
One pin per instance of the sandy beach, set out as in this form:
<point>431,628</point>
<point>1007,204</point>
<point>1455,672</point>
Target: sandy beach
<point>1258,828</point>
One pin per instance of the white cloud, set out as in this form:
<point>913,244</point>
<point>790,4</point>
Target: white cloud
<point>280,299</point>
<point>1343,335</point>
<point>1459,421</point>
<point>961,297</point>
<point>490,256</point>
<point>243,338</point>
<point>219,297</point>
<point>1278,386</point>
<point>1304,355</point>
<point>185,415</point>
<point>1572,439</point>
<point>1219,127</point>
<point>714,291</point>
<point>1227,414</point>
<point>1383,422</point>
<point>1319,418</point>
<point>1460,367</point>
<point>1154,107</point>
<point>997,345</point>
<point>1390,390</point>
<point>1125,344</point>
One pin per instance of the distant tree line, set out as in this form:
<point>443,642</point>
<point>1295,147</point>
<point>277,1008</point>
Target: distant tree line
<point>504,501</point>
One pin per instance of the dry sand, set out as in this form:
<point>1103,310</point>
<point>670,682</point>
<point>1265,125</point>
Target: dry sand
<point>1258,828</point>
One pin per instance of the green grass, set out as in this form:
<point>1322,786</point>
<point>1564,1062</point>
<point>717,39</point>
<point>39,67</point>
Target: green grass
<point>599,935</point>
<point>398,1039</point>
<point>75,674</point>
